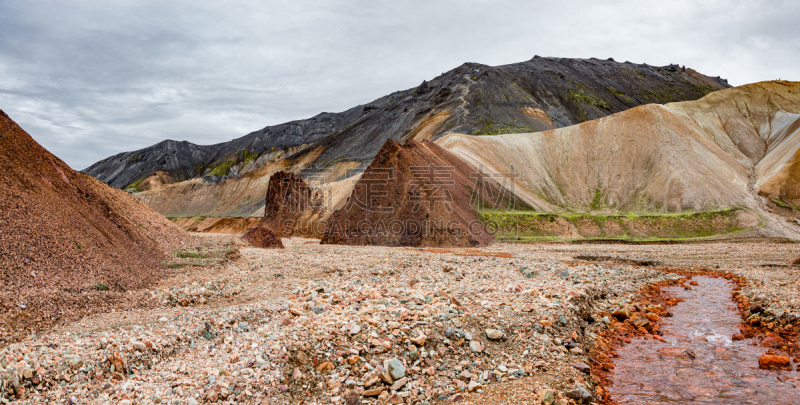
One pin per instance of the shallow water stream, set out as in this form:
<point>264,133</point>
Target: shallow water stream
<point>699,363</point>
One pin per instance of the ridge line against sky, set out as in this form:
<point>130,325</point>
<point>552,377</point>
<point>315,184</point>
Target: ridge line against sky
<point>168,70</point>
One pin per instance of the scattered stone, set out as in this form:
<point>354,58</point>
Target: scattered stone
<point>581,366</point>
<point>399,384</point>
<point>395,399</point>
<point>374,392</point>
<point>475,346</point>
<point>351,397</point>
<point>325,367</point>
<point>547,397</point>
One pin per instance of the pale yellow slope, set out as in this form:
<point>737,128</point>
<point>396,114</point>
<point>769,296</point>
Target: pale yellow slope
<point>747,121</point>
<point>758,124</point>
<point>645,159</point>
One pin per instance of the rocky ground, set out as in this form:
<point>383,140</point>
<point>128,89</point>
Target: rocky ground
<point>319,324</point>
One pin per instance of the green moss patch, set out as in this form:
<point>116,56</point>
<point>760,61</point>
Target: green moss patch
<point>487,127</point>
<point>581,95</point>
<point>221,169</point>
<point>531,226</point>
<point>784,204</point>
<point>620,95</point>
<point>135,186</point>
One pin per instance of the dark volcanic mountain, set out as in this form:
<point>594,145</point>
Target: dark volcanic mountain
<point>535,95</point>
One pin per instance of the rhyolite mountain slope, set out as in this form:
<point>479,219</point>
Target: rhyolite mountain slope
<point>535,95</point>
<point>733,149</point>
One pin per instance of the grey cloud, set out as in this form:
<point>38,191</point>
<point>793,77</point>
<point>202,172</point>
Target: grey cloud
<point>168,70</point>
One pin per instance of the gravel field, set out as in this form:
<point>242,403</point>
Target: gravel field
<point>321,324</point>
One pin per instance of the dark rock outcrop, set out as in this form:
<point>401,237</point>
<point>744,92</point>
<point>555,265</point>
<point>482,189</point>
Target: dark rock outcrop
<point>290,201</point>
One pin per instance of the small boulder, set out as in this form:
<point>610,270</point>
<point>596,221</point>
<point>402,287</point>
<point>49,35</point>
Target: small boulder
<point>641,322</point>
<point>474,386</point>
<point>456,398</point>
<point>494,334</point>
<point>475,346</point>
<point>580,395</point>
<point>769,361</point>
<point>395,368</point>
<point>621,314</point>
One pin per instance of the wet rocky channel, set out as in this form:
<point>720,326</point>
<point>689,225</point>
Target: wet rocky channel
<point>699,362</point>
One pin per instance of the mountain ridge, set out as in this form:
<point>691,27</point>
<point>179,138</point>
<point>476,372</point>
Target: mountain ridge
<point>534,95</point>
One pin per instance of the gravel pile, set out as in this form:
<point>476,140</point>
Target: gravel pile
<point>69,245</point>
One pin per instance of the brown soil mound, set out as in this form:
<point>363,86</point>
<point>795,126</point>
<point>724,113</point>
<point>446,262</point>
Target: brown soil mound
<point>262,236</point>
<point>69,244</point>
<point>796,261</point>
<point>417,194</point>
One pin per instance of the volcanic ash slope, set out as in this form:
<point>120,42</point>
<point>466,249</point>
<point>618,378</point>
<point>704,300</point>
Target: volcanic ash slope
<point>687,156</point>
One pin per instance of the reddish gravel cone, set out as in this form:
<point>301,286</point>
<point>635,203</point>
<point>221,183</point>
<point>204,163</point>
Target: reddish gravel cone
<point>70,245</point>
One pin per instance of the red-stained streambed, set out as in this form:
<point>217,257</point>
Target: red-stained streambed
<point>721,372</point>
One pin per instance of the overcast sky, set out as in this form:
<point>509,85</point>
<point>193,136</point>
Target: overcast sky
<point>92,78</point>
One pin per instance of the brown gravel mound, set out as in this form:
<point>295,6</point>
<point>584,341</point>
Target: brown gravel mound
<point>69,244</point>
<point>290,201</point>
<point>264,237</point>
<point>417,194</point>
<point>796,261</point>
